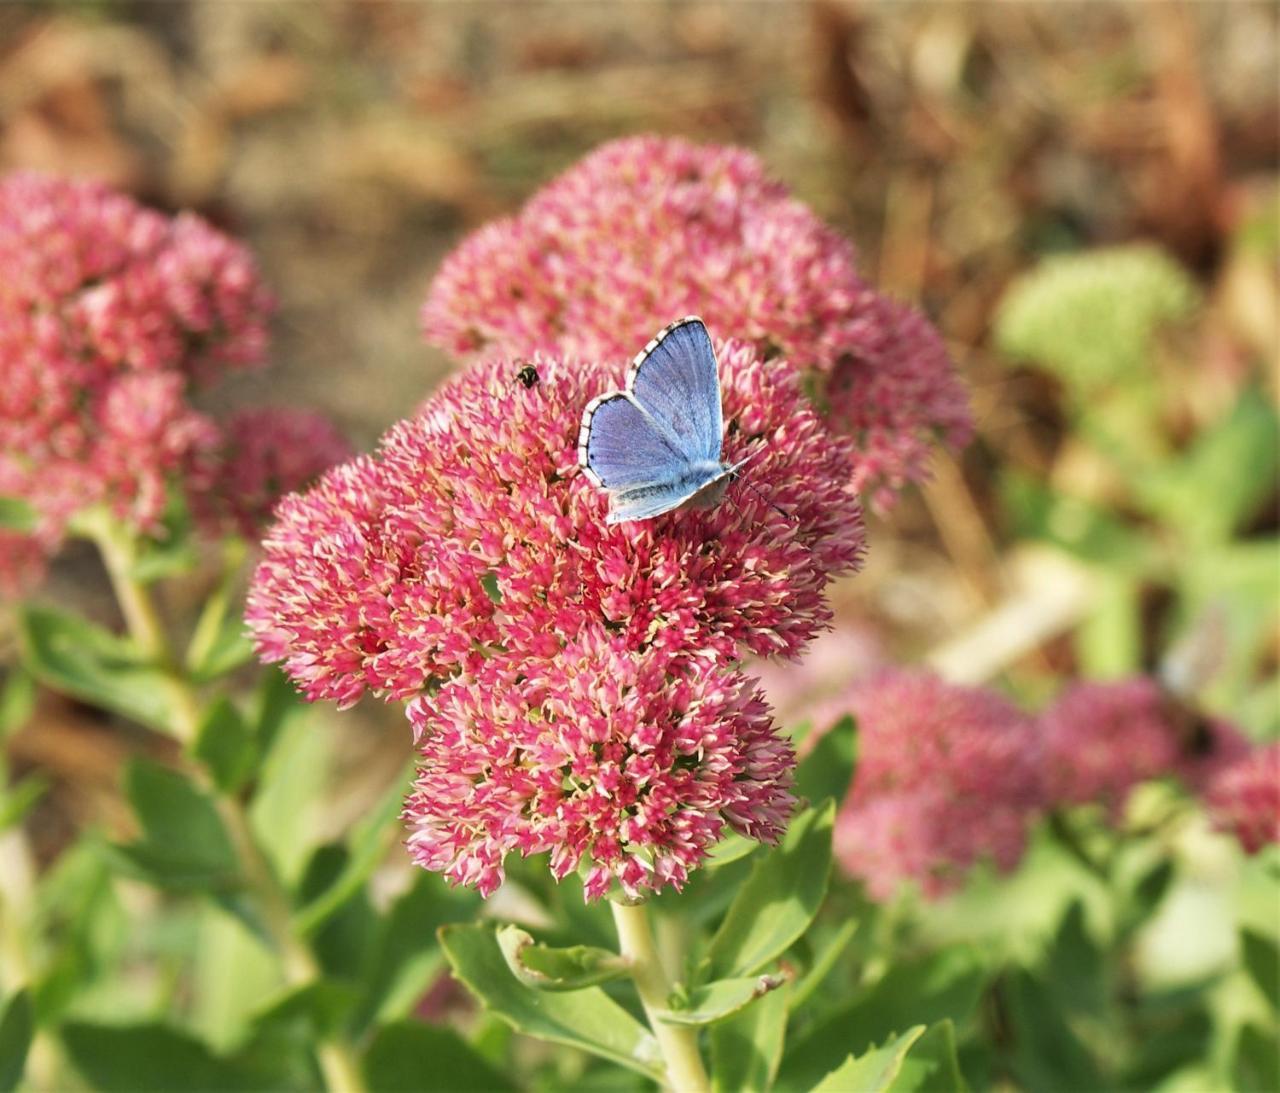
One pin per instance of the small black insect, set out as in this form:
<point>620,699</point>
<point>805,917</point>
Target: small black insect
<point>528,375</point>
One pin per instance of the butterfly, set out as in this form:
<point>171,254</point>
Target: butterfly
<point>655,445</point>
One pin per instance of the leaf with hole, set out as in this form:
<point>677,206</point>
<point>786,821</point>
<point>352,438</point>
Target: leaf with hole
<point>557,969</point>
<point>587,1019</point>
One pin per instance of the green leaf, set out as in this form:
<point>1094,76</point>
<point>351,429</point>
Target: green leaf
<point>1262,962</point>
<point>274,704</point>
<point>369,841</point>
<point>411,1055</point>
<point>344,941</point>
<point>779,899</point>
<point>932,1064</point>
<point>549,969</point>
<point>747,1047</point>
<point>80,919</point>
<point>1207,494</point>
<point>1256,1068</point>
<point>587,1019</point>
<point>184,845</point>
<point>17,515</point>
<point>405,955</point>
<point>715,1001</point>
<point>1079,527</point>
<point>873,1071</point>
<point>225,745</point>
<point>230,649</point>
<point>943,986</point>
<point>1143,900</point>
<point>1166,1044</point>
<point>827,771</point>
<point>129,1058</point>
<point>320,1007</point>
<point>826,960</point>
<point>17,800</point>
<point>17,1027</point>
<point>490,584</point>
<point>17,700</point>
<point>291,776</point>
<point>219,642</point>
<point>733,847</point>
<point>161,558</point>
<point>78,658</point>
<point>1108,641</point>
<point>1075,967</point>
<point>1047,1054</point>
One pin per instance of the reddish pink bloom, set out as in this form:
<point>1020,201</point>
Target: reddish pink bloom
<point>108,314</point>
<point>647,229</point>
<point>946,776</point>
<point>623,766</point>
<point>267,453</point>
<point>22,562</point>
<point>1101,739</point>
<point>571,682</point>
<point>473,530</point>
<point>1243,798</point>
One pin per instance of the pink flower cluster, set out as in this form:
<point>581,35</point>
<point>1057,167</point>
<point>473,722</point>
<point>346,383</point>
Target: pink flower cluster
<point>110,315</point>
<point>468,567</point>
<point>623,765</point>
<point>1100,740</point>
<point>946,776</point>
<point>647,229</point>
<point>1243,797</point>
<point>268,452</point>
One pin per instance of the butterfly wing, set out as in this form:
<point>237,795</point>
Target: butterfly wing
<point>622,448</point>
<point>648,501</point>
<point>675,379</point>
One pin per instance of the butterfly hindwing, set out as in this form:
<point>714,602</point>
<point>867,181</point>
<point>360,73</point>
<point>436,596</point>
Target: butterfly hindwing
<point>677,382</point>
<point>653,502</point>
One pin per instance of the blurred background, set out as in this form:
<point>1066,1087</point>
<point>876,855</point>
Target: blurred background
<point>1119,502</point>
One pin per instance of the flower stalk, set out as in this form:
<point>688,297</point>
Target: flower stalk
<point>679,1045</point>
<point>117,549</point>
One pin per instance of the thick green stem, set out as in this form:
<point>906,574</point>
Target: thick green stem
<point>17,909</point>
<point>337,1060</point>
<point>679,1045</point>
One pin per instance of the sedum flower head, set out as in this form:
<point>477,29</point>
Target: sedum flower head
<point>109,314</point>
<point>947,776</point>
<point>572,684</point>
<point>267,452</point>
<point>471,530</point>
<point>1243,797</point>
<point>22,561</point>
<point>1101,739</point>
<point>649,228</point>
<point>1090,318</point>
<point>621,765</point>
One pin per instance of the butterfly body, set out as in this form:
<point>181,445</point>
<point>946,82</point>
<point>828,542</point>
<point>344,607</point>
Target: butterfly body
<point>655,446</point>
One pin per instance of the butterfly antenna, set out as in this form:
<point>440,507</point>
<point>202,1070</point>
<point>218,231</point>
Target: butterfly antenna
<point>776,508</point>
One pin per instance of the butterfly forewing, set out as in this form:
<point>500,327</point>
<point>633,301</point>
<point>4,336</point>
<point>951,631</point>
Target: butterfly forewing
<point>621,447</point>
<point>676,380</point>
<point>656,445</point>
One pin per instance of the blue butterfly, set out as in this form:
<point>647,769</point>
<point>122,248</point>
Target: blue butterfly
<point>655,445</point>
